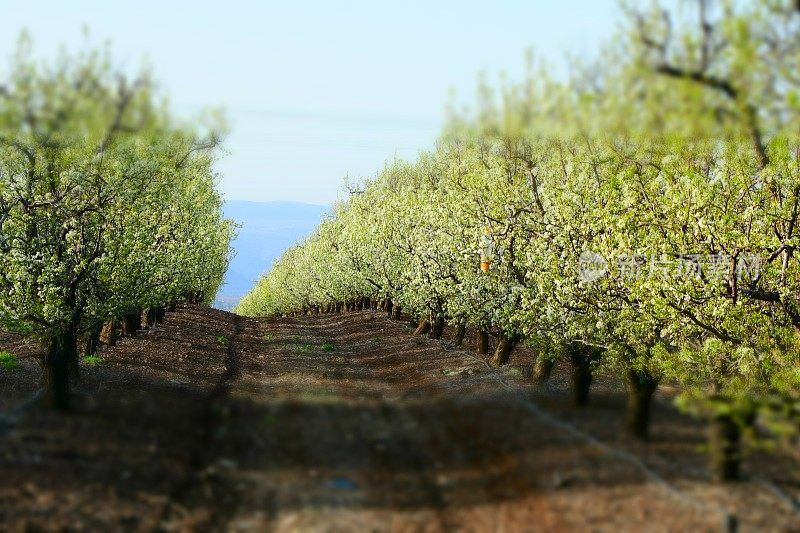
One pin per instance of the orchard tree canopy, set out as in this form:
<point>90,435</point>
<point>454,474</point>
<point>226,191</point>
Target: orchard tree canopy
<point>107,203</point>
<point>673,162</point>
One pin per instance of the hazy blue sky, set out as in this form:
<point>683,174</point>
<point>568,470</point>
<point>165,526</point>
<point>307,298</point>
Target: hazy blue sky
<point>317,90</point>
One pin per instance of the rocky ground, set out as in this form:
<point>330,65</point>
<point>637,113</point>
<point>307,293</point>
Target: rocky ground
<point>349,423</point>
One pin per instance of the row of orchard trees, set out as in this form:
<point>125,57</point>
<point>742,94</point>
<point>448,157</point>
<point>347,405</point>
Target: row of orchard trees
<point>107,205</point>
<point>679,230</point>
<point>642,217</point>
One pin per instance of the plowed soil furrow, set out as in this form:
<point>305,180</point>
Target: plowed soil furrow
<point>347,422</point>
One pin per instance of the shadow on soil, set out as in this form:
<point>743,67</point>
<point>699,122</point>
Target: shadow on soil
<point>181,420</point>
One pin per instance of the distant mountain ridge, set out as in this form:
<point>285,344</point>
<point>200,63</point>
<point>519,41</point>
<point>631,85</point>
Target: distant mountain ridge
<point>267,229</point>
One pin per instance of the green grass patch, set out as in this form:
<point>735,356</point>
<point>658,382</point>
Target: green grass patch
<point>513,372</point>
<point>319,393</point>
<point>376,340</point>
<point>328,347</point>
<point>92,360</point>
<point>339,359</point>
<point>223,340</point>
<point>8,361</point>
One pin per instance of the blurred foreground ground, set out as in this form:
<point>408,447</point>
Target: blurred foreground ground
<point>349,423</point>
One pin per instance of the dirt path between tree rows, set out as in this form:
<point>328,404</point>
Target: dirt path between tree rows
<point>349,423</point>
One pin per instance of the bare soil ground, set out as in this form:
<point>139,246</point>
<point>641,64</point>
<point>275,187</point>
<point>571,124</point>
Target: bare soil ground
<point>349,423</point>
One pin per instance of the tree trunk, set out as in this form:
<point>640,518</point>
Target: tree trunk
<point>502,353</point>
<point>641,387</point>
<point>131,323</point>
<point>93,339</point>
<point>74,364</point>
<point>423,327</point>
<point>150,319</point>
<point>482,342</point>
<point>461,331</point>
<point>542,368</point>
<point>161,314</point>
<point>396,312</point>
<point>581,359</point>
<point>61,351</point>
<point>437,328</point>
<point>109,333</point>
<point>388,307</point>
<point>725,448</point>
